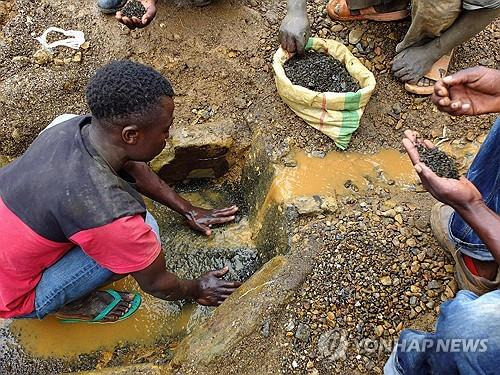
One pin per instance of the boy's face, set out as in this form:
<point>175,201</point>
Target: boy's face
<point>153,136</point>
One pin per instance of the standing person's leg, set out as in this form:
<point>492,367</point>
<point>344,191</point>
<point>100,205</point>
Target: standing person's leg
<point>466,341</point>
<point>424,55</point>
<point>476,269</point>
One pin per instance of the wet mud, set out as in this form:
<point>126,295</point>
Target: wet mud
<point>440,163</point>
<point>320,72</point>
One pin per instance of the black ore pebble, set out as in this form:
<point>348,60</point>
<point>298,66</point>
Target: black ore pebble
<point>133,8</point>
<point>320,72</point>
<point>440,163</point>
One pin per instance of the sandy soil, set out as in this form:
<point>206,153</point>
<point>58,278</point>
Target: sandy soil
<point>219,58</point>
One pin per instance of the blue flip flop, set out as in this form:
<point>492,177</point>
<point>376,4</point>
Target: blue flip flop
<point>134,305</point>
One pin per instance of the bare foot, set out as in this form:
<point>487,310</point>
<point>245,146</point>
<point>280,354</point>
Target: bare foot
<point>412,63</point>
<point>87,308</point>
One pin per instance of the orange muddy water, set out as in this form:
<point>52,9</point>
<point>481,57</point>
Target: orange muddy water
<point>154,319</point>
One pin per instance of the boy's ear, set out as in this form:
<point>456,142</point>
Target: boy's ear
<point>130,134</point>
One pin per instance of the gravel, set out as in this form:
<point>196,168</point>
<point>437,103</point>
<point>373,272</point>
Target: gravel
<point>320,72</point>
<point>134,8</point>
<point>440,163</point>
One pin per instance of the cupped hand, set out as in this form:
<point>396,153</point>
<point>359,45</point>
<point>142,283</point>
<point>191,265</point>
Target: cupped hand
<point>455,193</point>
<point>294,32</point>
<point>472,91</point>
<point>201,219</point>
<point>134,22</point>
<point>212,290</point>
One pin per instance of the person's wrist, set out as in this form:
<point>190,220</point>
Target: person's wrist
<point>192,288</point>
<point>471,206</point>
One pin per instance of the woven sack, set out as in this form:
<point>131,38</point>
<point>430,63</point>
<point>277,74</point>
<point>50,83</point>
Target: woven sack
<point>335,114</point>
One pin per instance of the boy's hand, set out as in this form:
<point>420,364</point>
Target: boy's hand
<point>472,91</point>
<point>212,291</point>
<point>294,32</point>
<point>455,193</point>
<point>133,23</point>
<point>202,220</point>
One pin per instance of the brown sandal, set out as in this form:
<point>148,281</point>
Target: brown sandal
<point>438,71</point>
<point>338,10</point>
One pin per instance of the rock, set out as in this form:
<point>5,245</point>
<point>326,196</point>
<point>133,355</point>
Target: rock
<point>307,205</point>
<point>415,289</point>
<point>487,62</point>
<point>378,51</point>
<point>421,256</point>
<point>77,57</point>
<point>434,284</point>
<point>329,204</point>
<point>256,62</point>
<point>85,45</point>
<point>303,332</point>
<point>355,35</point>
<point>410,242</point>
<point>389,213</point>
<point>58,62</point>
<point>386,280</point>
<point>399,218</point>
<point>379,330</point>
<point>449,268</point>
<point>337,28</point>
<point>265,328</point>
<point>42,57</point>
<point>177,37</point>
<point>21,59</point>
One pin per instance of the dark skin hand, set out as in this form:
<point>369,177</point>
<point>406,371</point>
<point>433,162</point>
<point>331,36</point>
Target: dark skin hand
<point>199,219</point>
<point>208,290</point>
<point>134,22</point>
<point>472,91</point>
<point>464,198</point>
<point>295,30</point>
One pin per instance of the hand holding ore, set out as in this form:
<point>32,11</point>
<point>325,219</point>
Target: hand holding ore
<point>294,32</point>
<point>212,290</point>
<point>450,191</point>
<point>471,91</point>
<point>132,21</point>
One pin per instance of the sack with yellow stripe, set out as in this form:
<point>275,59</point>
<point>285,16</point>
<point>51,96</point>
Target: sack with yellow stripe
<point>335,114</point>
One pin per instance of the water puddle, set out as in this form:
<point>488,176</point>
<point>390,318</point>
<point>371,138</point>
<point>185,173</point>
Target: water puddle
<point>154,320</point>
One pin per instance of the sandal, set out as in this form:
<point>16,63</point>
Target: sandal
<point>338,10</point>
<point>117,298</point>
<point>466,280</point>
<point>438,71</point>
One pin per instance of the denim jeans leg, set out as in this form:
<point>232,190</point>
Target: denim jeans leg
<point>72,277</point>
<point>484,173</point>
<point>466,341</point>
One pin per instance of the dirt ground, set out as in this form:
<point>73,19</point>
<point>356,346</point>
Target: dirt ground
<point>219,61</point>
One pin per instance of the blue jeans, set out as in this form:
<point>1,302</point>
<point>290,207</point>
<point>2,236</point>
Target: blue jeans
<point>73,276</point>
<point>484,173</point>
<point>467,340</point>
<point>469,322</point>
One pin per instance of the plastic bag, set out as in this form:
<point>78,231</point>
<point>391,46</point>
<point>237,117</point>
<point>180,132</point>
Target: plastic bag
<point>76,40</point>
<point>335,114</point>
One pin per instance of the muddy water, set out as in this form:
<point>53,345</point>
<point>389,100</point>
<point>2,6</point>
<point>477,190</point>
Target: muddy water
<point>155,319</point>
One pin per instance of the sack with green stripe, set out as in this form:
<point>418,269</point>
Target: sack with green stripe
<point>335,114</point>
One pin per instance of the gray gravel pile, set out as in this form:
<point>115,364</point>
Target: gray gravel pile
<point>380,271</point>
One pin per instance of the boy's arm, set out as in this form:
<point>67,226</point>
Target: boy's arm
<point>209,289</point>
<point>152,186</point>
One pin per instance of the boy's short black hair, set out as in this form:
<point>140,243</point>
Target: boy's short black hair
<point>123,87</point>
